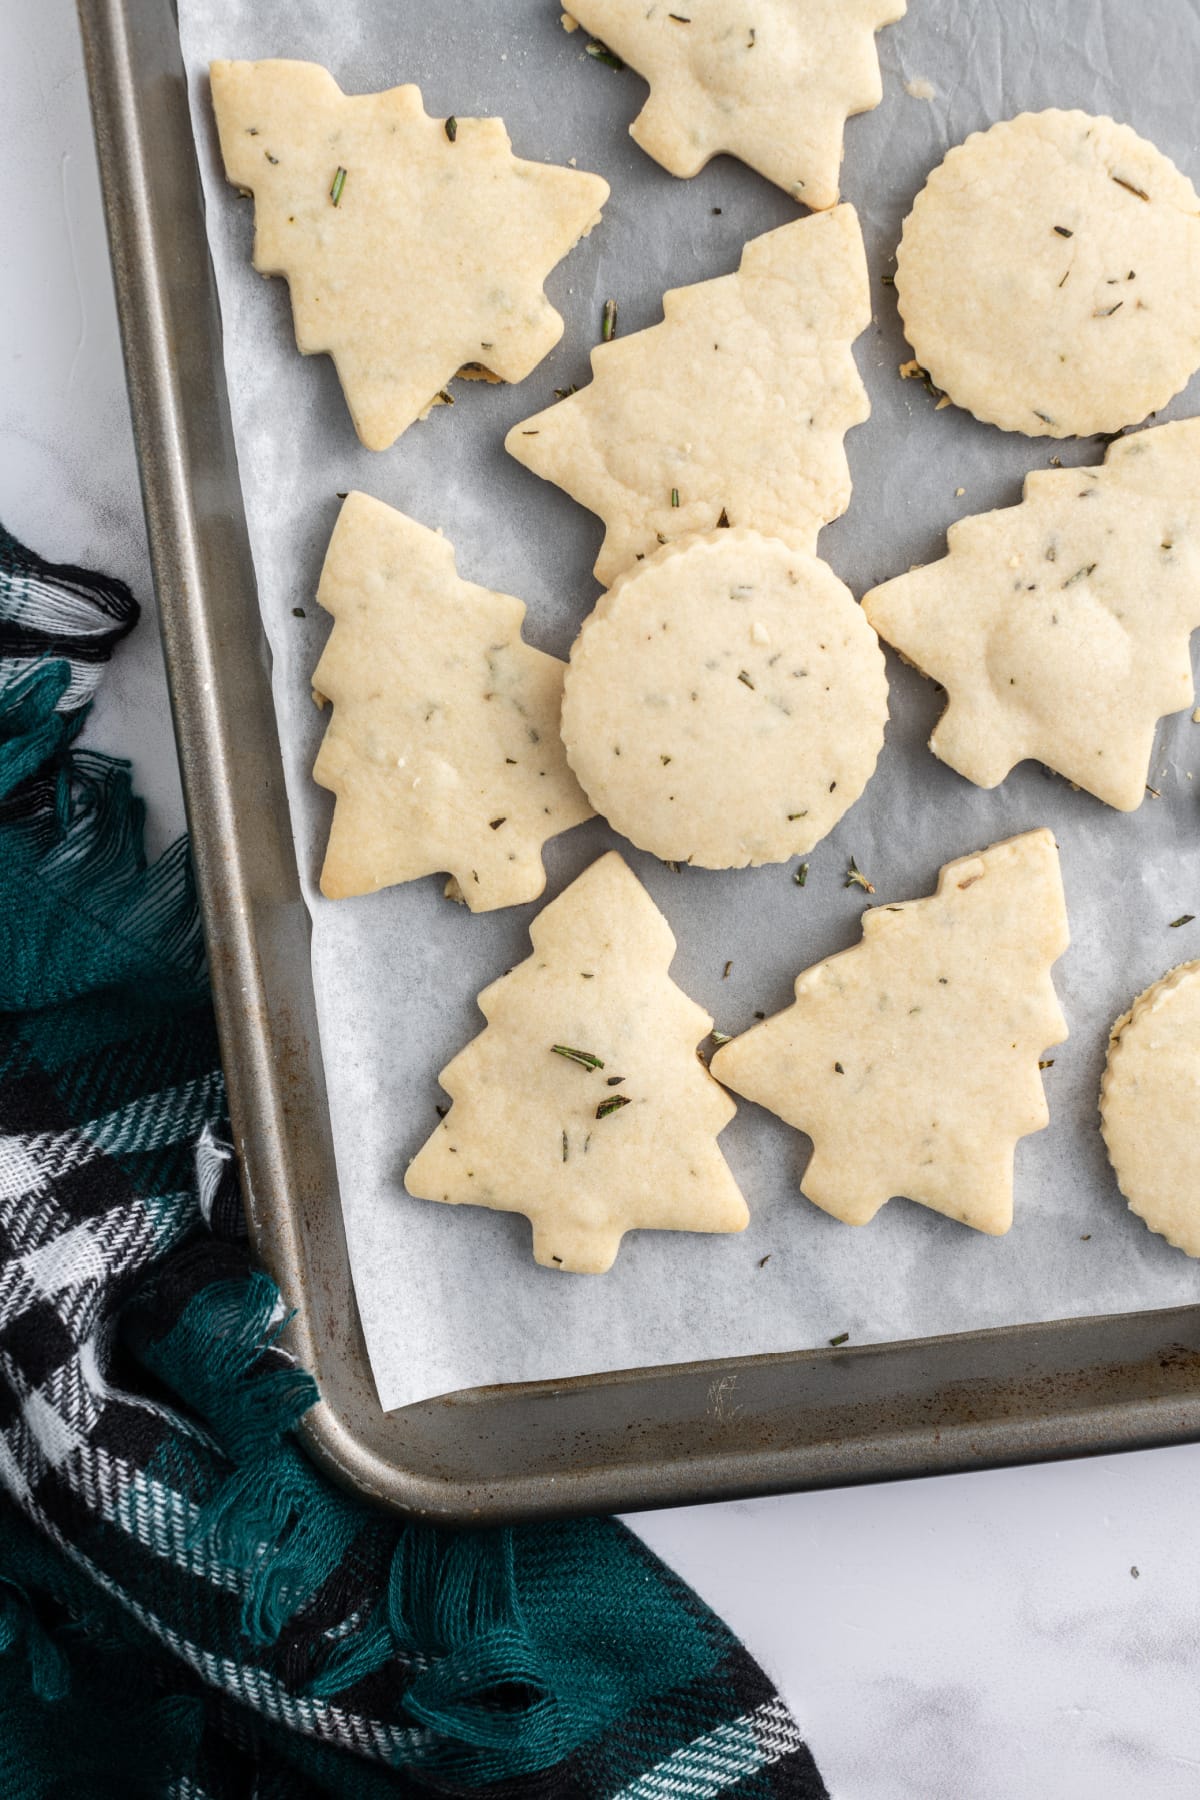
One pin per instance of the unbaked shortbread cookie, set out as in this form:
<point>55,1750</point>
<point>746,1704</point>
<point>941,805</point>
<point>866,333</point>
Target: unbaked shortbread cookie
<point>584,1105</point>
<point>770,81</point>
<point>1049,276</point>
<point>413,247</point>
<point>443,749</point>
<point>912,1059</point>
<point>731,412</point>
<point>725,703</point>
<point>1150,1106</point>
<point>1060,628</point>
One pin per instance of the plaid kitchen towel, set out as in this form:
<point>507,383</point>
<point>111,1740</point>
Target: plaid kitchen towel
<point>187,1607</point>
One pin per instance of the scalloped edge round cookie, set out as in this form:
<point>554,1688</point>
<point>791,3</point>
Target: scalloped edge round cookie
<point>1048,275</point>
<point>1150,1106</point>
<point>725,703</point>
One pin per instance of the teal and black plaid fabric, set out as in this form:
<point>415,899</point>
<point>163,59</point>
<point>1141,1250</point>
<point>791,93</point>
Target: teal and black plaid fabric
<point>187,1608</point>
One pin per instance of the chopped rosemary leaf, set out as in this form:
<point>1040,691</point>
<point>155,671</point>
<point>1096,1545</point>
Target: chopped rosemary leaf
<point>745,679</point>
<point>1106,312</point>
<point>1139,193</point>
<point>674,496</point>
<point>608,321</point>
<point>452,128</point>
<point>613,1104</point>
<point>888,280</point>
<point>723,521</point>
<point>446,397</point>
<point>602,54</point>
<point>726,971</point>
<point>1079,575</point>
<point>843,1337</point>
<point>564,1135</point>
<point>1183,919</point>
<point>565,393</point>
<point>856,878</point>
<point>1063,231</point>
<point>339,182</point>
<point>614,1081</point>
<point>584,1058</point>
<point>1047,1062</point>
<point>801,875</point>
<point>720,1037</point>
<point>679,18</point>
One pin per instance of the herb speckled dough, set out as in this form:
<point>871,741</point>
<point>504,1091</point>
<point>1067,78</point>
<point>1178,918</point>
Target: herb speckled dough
<point>411,251</point>
<point>1150,1106</point>
<point>1060,628</point>
<point>769,81</point>
<point>736,404</point>
<point>584,1104</point>
<point>912,1059</point>
<point>725,703</point>
<point>443,749</point>
<point>1048,276</point>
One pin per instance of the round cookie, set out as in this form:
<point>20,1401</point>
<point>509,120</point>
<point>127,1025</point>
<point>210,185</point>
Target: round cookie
<point>1048,276</point>
<point>725,703</point>
<point>1150,1106</point>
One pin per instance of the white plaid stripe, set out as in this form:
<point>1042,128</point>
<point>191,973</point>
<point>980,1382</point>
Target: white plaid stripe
<point>776,1730</point>
<point>711,1764</point>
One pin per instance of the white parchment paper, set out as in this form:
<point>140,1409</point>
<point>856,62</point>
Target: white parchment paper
<point>450,1297</point>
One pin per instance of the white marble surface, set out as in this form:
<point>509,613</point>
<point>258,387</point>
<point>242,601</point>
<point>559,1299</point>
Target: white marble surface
<point>982,1637</point>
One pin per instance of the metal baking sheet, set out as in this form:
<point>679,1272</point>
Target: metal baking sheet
<point>622,1439</point>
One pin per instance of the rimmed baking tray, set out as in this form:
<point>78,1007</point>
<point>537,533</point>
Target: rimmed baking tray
<point>700,1431</point>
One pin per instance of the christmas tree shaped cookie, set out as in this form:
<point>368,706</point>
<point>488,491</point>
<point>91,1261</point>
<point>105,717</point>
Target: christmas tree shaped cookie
<point>413,247</point>
<point>443,749</point>
<point>1060,628</point>
<point>911,1060</point>
<point>731,412</point>
<point>770,81</point>
<point>583,1104</point>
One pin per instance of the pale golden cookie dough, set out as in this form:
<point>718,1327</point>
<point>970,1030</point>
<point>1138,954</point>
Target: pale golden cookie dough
<point>443,749</point>
<point>1060,628</point>
<point>1048,276</point>
<point>911,1060</point>
<point>1150,1106</point>
<point>413,247</point>
<point>583,1104</point>
<point>770,81</point>
<point>725,703</point>
<point>732,411</point>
